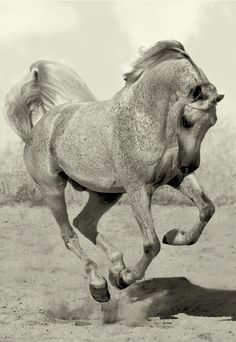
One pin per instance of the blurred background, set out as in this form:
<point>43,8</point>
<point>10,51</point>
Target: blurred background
<point>100,39</point>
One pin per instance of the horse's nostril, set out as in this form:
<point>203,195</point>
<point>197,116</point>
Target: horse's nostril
<point>184,170</point>
<point>188,169</point>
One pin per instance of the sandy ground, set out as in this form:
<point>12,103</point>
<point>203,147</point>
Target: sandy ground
<point>188,294</point>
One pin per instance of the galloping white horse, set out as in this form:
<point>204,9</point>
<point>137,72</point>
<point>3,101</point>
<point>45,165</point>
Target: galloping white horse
<point>147,135</point>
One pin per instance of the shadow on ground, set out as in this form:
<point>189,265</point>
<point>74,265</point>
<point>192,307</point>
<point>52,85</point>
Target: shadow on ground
<point>158,297</point>
<point>171,296</point>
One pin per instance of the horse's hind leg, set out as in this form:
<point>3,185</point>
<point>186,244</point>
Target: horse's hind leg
<point>86,222</point>
<point>53,191</point>
<point>192,190</point>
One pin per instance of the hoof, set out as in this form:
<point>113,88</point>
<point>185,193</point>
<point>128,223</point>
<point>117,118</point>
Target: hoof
<point>177,237</point>
<point>117,281</point>
<point>174,237</point>
<point>164,240</point>
<point>171,237</point>
<point>100,294</point>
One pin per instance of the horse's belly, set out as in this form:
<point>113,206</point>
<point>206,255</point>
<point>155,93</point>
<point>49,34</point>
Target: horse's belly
<point>95,179</point>
<point>98,184</point>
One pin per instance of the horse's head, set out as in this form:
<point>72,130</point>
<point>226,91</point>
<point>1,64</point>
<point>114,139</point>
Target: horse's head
<point>167,68</point>
<point>196,117</point>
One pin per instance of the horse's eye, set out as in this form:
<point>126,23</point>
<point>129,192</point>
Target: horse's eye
<point>186,123</point>
<point>197,93</point>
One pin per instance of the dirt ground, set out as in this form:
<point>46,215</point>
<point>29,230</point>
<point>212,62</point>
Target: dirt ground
<point>188,294</point>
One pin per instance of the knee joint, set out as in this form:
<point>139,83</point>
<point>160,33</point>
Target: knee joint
<point>152,248</point>
<point>116,256</point>
<point>207,212</point>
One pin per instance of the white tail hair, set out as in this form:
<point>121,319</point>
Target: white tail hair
<point>47,85</point>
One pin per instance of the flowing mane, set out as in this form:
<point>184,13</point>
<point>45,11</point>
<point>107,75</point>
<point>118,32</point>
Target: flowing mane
<point>160,52</point>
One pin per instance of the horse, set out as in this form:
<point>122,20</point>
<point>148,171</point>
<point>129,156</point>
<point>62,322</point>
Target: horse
<point>148,134</point>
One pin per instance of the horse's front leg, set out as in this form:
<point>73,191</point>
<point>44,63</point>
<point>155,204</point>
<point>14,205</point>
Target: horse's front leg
<point>141,205</point>
<point>191,189</point>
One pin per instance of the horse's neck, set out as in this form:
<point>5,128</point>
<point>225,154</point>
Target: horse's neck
<point>157,96</point>
<point>149,101</point>
<point>140,119</point>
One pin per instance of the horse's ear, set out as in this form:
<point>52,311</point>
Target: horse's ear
<point>219,97</point>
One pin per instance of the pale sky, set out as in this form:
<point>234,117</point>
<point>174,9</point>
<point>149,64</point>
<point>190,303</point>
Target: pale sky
<point>101,39</point>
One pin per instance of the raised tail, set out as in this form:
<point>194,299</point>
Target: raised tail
<point>47,85</point>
